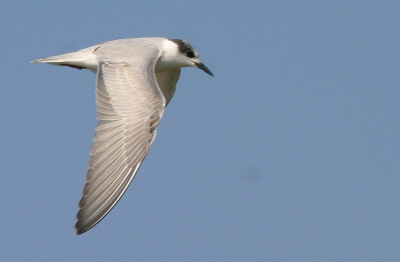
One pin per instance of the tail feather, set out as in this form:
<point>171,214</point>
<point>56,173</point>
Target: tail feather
<point>82,59</point>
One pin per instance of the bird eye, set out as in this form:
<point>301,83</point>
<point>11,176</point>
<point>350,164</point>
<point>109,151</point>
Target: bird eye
<point>190,54</point>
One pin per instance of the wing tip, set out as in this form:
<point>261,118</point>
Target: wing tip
<point>80,229</point>
<point>87,221</point>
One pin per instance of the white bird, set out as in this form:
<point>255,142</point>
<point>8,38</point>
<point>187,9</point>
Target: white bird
<point>136,79</point>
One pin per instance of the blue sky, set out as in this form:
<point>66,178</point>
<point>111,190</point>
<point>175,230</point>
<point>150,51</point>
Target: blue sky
<point>290,153</point>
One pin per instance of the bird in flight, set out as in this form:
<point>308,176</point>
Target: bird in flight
<point>135,80</point>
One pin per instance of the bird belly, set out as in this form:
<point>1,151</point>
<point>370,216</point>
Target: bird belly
<point>167,82</point>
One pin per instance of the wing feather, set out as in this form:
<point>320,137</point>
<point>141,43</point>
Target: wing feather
<point>129,107</point>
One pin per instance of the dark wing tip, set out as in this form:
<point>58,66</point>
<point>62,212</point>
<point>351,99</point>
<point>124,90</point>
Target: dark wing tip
<point>79,230</point>
<point>81,226</point>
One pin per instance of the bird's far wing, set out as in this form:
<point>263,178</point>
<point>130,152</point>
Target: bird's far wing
<point>130,106</point>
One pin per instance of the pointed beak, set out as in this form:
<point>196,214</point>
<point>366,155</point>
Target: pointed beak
<point>203,67</point>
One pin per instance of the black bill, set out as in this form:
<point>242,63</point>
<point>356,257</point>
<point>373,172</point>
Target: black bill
<point>204,68</point>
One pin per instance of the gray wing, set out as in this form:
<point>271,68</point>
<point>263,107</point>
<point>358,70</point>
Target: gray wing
<point>130,106</point>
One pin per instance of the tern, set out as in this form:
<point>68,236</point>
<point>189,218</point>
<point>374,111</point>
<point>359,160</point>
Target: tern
<point>135,80</point>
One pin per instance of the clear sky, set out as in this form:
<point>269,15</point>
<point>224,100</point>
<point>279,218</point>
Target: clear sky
<point>290,153</point>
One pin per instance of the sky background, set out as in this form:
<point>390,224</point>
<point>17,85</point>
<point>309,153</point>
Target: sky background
<point>290,153</point>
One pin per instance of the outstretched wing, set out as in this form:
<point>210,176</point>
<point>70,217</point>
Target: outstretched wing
<point>130,106</point>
